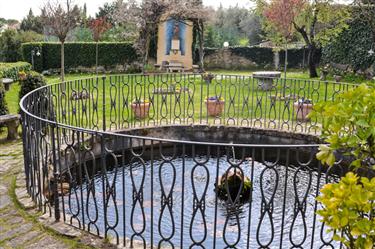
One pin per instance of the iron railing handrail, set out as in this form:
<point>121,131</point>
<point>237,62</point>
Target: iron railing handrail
<point>106,132</point>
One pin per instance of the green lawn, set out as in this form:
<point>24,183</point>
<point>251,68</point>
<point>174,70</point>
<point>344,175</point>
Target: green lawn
<point>244,101</point>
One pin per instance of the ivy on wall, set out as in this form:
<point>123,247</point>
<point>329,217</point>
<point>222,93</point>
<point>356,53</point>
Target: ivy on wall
<point>352,47</point>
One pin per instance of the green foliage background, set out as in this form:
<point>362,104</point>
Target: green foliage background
<point>3,105</point>
<point>351,47</point>
<point>33,81</point>
<point>10,70</point>
<point>80,54</point>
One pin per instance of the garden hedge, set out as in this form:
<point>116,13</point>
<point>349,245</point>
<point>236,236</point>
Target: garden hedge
<point>10,70</point>
<point>79,54</point>
<point>3,104</point>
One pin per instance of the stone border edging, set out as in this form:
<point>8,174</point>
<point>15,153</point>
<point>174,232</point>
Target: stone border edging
<point>58,227</point>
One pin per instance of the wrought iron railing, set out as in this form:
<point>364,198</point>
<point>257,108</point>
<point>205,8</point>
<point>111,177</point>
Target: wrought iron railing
<point>158,192</point>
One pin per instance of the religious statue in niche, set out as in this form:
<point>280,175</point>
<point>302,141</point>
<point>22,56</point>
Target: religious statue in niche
<point>175,37</point>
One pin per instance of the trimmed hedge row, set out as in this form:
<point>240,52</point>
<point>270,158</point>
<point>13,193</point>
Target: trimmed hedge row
<point>10,70</point>
<point>79,54</point>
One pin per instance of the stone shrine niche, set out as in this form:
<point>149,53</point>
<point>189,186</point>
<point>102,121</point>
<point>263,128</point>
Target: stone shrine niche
<point>175,40</point>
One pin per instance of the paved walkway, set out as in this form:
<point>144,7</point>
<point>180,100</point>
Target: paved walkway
<point>20,227</point>
<point>17,228</point>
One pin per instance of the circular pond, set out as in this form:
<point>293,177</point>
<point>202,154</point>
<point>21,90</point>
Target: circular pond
<point>171,202</point>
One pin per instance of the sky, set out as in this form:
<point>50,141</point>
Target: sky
<point>17,9</point>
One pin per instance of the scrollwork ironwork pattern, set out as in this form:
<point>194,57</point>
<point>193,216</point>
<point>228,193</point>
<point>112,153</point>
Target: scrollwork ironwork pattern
<point>77,164</point>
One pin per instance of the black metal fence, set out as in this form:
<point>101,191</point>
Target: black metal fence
<point>158,192</point>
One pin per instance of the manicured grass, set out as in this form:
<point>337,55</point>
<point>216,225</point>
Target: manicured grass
<point>243,99</point>
<point>12,98</point>
<point>245,102</point>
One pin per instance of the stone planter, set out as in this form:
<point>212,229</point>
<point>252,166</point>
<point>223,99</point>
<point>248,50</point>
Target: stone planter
<point>214,107</point>
<point>302,109</point>
<point>140,109</point>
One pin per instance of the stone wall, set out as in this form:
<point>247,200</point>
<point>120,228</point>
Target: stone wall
<point>226,59</point>
<point>248,58</point>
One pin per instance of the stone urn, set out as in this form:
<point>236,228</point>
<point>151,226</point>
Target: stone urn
<point>215,106</point>
<point>302,108</point>
<point>230,183</point>
<point>140,109</point>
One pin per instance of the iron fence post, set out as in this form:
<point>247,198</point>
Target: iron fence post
<point>55,175</point>
<point>103,86</point>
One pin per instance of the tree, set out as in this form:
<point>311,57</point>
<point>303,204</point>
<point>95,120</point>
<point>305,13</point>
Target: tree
<point>147,16</point>
<point>9,45</point>
<point>32,23</point>
<point>318,22</point>
<point>59,21</point>
<point>98,27</point>
<point>281,14</point>
<point>108,11</point>
<point>194,11</point>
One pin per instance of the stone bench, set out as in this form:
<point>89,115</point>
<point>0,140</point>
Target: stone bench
<point>7,82</point>
<point>12,121</point>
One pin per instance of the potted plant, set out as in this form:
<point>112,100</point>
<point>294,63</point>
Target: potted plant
<point>208,77</point>
<point>215,106</point>
<point>302,107</point>
<point>140,108</point>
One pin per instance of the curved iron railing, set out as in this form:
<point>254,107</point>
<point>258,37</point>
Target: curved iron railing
<point>156,192</point>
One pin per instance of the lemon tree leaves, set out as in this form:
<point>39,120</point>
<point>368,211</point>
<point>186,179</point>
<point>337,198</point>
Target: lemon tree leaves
<point>349,126</point>
<point>349,210</point>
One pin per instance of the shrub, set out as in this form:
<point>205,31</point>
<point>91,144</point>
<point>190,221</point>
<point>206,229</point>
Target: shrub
<point>348,127</point>
<point>3,106</point>
<point>11,70</point>
<point>33,81</point>
<point>349,209</point>
<point>349,130</point>
<point>80,54</point>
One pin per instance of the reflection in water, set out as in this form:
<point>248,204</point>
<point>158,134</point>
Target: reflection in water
<point>187,213</point>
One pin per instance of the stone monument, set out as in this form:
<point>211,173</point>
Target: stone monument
<point>175,38</point>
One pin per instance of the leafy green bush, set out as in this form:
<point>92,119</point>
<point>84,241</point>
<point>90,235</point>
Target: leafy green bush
<point>349,130</point>
<point>80,54</point>
<point>3,105</point>
<point>33,81</point>
<point>349,210</point>
<point>11,70</point>
<point>348,127</point>
<point>9,45</point>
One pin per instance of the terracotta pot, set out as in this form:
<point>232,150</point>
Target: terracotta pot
<point>215,107</point>
<point>140,110</point>
<point>302,110</point>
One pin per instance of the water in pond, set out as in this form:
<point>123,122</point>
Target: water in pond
<point>274,222</point>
